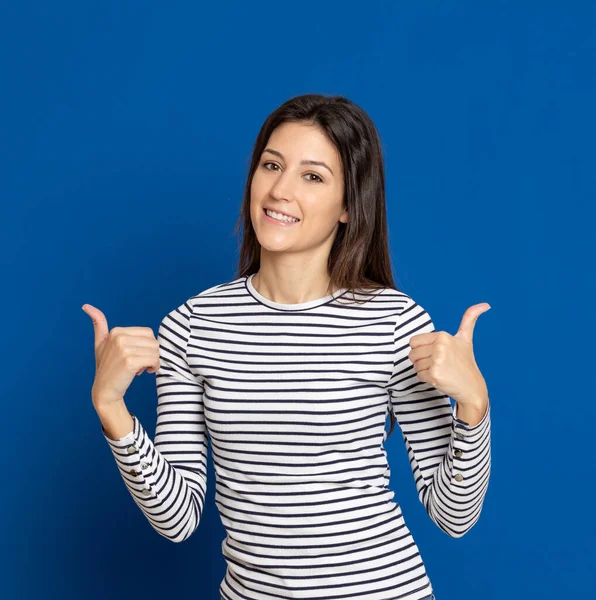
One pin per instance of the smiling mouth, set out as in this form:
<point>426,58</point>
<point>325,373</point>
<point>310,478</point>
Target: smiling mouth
<point>266,209</point>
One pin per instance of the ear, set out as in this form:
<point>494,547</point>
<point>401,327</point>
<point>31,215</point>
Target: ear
<point>344,217</point>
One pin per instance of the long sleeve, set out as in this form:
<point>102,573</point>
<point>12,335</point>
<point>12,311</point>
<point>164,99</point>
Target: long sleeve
<point>450,460</point>
<point>167,478</point>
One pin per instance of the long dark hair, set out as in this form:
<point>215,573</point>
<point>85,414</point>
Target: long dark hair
<point>359,258</point>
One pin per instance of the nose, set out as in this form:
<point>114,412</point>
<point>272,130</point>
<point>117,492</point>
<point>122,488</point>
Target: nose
<point>282,189</point>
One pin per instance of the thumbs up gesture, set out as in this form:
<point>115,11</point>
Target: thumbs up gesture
<point>120,355</point>
<point>447,361</point>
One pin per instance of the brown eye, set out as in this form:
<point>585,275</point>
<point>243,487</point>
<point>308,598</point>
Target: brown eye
<point>318,180</point>
<point>266,165</point>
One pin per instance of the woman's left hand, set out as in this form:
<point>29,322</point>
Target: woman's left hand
<point>447,361</point>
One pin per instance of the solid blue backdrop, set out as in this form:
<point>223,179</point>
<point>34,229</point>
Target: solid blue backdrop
<point>126,133</point>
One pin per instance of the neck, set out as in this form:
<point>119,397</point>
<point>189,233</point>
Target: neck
<point>292,296</point>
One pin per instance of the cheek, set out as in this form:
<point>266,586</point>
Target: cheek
<point>253,194</point>
<point>256,188</point>
<point>323,204</point>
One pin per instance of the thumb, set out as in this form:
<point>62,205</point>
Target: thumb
<point>466,328</point>
<point>100,323</point>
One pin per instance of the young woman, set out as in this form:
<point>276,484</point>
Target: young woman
<point>289,372</point>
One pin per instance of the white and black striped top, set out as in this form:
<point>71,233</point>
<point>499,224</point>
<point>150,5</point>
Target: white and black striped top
<point>294,399</point>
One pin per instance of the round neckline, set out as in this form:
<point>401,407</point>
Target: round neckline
<point>299,306</point>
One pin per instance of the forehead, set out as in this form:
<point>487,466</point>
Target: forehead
<point>303,141</point>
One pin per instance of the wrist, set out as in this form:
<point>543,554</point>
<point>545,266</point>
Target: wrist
<point>472,412</point>
<point>116,420</point>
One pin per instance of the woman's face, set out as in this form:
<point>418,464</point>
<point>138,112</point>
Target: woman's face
<point>285,183</point>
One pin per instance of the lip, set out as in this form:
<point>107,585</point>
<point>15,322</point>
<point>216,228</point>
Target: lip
<point>281,212</point>
<point>273,221</point>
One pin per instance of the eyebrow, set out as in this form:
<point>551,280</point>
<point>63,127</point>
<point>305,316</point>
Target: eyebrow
<point>303,162</point>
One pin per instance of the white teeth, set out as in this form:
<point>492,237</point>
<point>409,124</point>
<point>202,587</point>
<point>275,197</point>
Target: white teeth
<point>280,217</point>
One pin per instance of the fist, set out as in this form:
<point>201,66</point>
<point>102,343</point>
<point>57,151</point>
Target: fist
<point>120,355</point>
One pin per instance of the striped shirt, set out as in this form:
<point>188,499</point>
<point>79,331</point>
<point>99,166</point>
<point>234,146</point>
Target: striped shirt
<point>294,399</point>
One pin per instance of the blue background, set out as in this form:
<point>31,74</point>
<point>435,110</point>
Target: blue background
<point>126,133</point>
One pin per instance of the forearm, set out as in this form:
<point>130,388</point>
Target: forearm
<point>115,420</point>
<point>455,498</point>
<point>472,412</point>
<point>171,499</point>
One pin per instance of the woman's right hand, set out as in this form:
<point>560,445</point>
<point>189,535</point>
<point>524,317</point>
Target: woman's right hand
<point>120,354</point>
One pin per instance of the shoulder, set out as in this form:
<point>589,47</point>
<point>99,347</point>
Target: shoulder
<point>409,315</point>
<point>217,293</point>
<point>398,301</point>
<point>211,296</point>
